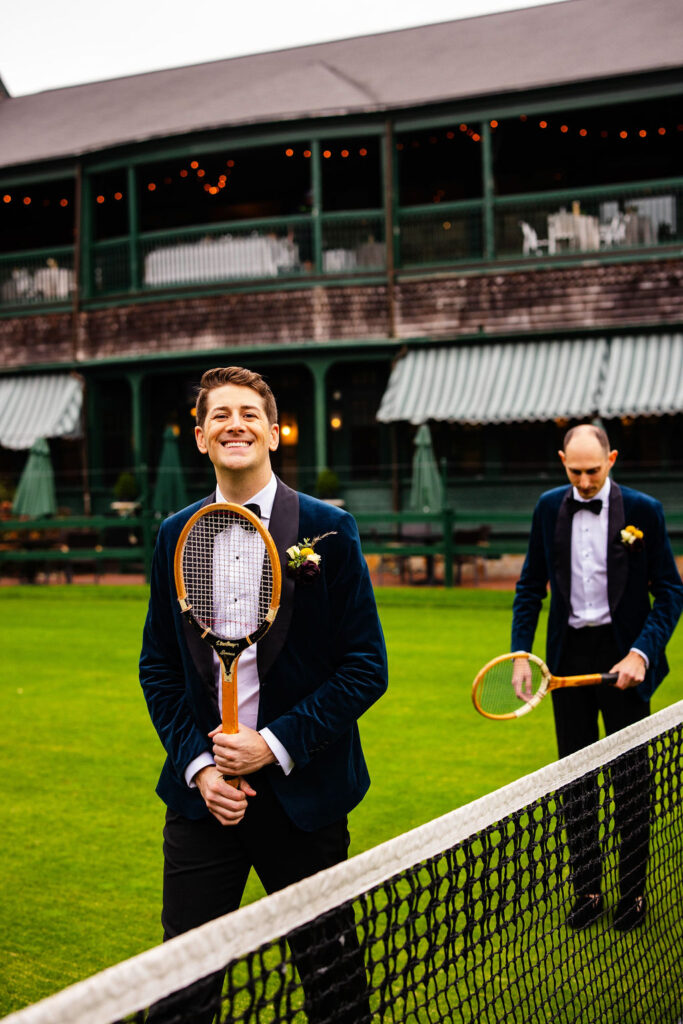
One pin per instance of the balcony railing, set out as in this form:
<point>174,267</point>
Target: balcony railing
<point>606,221</point>
<point>600,220</point>
<point>38,277</point>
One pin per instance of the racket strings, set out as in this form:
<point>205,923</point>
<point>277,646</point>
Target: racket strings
<point>228,574</point>
<point>497,693</point>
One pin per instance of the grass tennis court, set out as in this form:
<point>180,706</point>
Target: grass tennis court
<point>81,838</point>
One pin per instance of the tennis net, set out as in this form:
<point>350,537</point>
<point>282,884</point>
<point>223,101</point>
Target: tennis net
<point>465,919</point>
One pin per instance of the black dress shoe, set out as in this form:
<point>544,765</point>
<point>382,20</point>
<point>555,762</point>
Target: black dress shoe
<point>630,913</point>
<point>585,911</point>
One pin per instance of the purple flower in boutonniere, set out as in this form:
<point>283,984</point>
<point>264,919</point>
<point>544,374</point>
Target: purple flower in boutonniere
<point>632,538</point>
<point>304,561</point>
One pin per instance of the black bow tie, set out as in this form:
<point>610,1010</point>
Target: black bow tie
<point>256,509</point>
<point>594,506</point>
<point>244,522</point>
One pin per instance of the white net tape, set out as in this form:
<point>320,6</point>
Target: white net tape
<point>141,981</point>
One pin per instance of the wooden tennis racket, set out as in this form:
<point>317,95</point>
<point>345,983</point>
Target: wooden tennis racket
<point>499,692</point>
<point>228,579</point>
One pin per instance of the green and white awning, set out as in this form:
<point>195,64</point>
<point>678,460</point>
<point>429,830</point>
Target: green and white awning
<point>497,383</point>
<point>528,382</point>
<point>47,405</point>
<point>644,376</point>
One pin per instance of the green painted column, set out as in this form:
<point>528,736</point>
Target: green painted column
<point>488,189</point>
<point>135,381</point>
<point>318,368</point>
<point>85,270</point>
<point>317,189</point>
<point>133,229</point>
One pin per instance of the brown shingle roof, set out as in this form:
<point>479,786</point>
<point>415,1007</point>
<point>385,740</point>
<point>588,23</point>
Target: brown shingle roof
<point>578,40</point>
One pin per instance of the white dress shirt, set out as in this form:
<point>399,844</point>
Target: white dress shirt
<point>589,603</point>
<point>248,684</point>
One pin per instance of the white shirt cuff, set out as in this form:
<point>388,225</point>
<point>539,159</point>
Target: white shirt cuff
<point>643,656</point>
<point>281,755</point>
<point>194,766</point>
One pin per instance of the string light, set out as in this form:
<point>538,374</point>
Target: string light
<point>542,124</point>
<point>344,153</point>
<point>564,128</point>
<point>289,152</point>
<point>100,199</point>
<point>363,152</point>
<point>327,154</point>
<point>493,124</point>
<point>151,187</point>
<point>63,202</point>
<point>27,200</point>
<point>623,135</point>
<point>194,165</point>
<point>7,199</point>
<point>583,133</point>
<point>184,173</point>
<point>117,195</point>
<point>307,153</point>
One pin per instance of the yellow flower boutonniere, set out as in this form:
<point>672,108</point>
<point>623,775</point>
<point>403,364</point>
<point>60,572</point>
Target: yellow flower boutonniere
<point>304,561</point>
<point>632,537</point>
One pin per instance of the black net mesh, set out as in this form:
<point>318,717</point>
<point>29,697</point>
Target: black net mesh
<point>505,924</point>
<point>482,931</point>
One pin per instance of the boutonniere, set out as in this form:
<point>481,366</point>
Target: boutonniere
<point>304,560</point>
<point>632,537</point>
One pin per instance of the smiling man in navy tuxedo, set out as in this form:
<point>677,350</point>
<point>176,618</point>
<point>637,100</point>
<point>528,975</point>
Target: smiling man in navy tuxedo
<point>600,620</point>
<point>301,690</point>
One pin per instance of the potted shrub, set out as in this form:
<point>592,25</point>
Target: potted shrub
<point>328,487</point>
<point>125,493</point>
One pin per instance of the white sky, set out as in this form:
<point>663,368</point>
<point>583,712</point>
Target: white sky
<point>45,44</point>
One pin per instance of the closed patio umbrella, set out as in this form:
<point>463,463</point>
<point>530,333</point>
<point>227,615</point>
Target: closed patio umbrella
<point>426,487</point>
<point>170,493</point>
<point>35,495</point>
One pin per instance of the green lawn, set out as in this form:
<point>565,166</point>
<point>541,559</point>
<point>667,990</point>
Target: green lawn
<point>81,835</point>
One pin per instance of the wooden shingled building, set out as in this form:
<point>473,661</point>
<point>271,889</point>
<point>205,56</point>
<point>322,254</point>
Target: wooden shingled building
<point>475,224</point>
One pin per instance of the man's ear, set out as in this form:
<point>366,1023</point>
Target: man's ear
<point>274,437</point>
<point>563,458</point>
<point>199,438</point>
<point>612,457</point>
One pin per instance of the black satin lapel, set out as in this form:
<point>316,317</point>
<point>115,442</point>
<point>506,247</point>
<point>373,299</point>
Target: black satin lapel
<point>617,558</point>
<point>209,501</point>
<point>284,529</point>
<point>563,548</point>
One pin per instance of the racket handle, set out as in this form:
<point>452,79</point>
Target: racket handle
<point>232,782</point>
<point>609,679</point>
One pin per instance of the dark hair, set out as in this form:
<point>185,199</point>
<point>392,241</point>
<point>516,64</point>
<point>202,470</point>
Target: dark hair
<point>238,375</point>
<point>599,433</point>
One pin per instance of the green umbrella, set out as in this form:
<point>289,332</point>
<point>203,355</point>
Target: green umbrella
<point>169,491</point>
<point>35,494</point>
<point>426,487</point>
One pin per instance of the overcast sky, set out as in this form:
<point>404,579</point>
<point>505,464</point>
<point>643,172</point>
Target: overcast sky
<point>45,44</point>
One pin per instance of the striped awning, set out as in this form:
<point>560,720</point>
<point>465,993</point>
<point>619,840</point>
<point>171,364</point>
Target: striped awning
<point>644,376</point>
<point>48,405</point>
<point>521,382</point>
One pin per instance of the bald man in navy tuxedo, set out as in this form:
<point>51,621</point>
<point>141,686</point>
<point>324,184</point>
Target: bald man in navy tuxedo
<point>301,691</point>
<point>601,619</point>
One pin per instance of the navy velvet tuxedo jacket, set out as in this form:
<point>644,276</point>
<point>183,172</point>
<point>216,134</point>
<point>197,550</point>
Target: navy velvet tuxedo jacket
<point>632,575</point>
<point>321,665</point>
